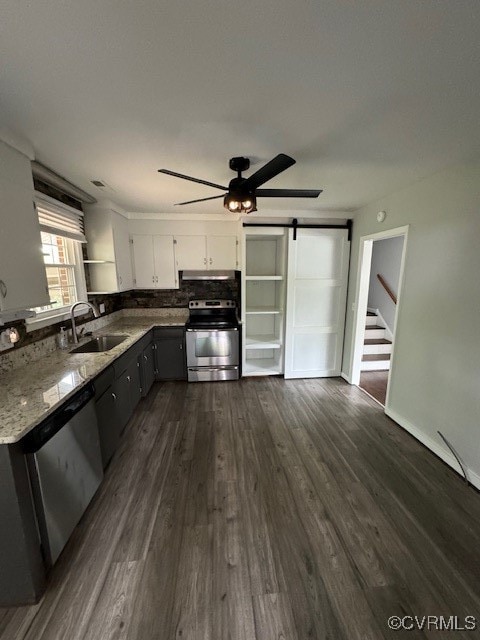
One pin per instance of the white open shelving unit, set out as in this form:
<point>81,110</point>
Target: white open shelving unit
<point>263,302</point>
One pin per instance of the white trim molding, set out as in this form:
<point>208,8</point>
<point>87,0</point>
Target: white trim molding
<point>433,446</point>
<point>361,296</point>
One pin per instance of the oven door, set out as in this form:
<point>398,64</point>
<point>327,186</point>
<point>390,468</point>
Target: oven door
<point>215,347</point>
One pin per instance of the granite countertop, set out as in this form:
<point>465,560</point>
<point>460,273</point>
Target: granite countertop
<point>30,393</point>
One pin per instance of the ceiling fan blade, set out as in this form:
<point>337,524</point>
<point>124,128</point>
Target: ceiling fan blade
<point>201,199</point>
<point>288,193</point>
<point>184,177</point>
<point>269,171</point>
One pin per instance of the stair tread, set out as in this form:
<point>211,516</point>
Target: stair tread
<point>372,327</point>
<point>377,341</point>
<point>370,313</point>
<point>376,356</point>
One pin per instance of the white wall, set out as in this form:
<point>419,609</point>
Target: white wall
<point>435,376</point>
<point>386,260</point>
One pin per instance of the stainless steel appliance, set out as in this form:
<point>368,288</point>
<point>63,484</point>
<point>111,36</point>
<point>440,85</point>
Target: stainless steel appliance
<point>213,341</point>
<point>65,467</point>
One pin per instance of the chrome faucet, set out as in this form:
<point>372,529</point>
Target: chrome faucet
<point>72,316</point>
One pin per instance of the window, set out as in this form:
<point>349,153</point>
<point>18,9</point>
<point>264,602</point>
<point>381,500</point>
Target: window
<point>60,264</point>
<point>61,236</point>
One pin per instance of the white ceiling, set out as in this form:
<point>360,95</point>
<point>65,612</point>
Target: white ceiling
<point>366,96</point>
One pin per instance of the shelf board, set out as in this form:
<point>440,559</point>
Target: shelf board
<point>98,262</point>
<point>100,293</point>
<point>263,342</point>
<point>261,367</point>
<point>264,278</point>
<point>260,310</point>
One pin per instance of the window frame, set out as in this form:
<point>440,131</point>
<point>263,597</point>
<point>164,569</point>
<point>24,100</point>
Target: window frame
<point>59,314</point>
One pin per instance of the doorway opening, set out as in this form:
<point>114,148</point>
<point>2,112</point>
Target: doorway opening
<point>381,265</point>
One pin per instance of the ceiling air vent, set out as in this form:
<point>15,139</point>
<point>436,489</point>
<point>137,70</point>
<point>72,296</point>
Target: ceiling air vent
<point>98,183</point>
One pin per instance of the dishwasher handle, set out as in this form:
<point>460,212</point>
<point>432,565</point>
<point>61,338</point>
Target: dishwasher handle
<point>45,431</point>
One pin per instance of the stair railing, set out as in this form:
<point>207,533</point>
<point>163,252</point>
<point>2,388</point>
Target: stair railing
<point>387,288</point>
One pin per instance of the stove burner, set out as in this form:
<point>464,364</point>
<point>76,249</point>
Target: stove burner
<point>212,313</point>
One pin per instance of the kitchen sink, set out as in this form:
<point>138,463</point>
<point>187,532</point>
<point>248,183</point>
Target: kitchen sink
<point>97,345</point>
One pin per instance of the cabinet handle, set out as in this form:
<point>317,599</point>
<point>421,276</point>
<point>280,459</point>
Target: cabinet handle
<point>204,261</point>
<point>156,279</point>
<point>181,346</point>
<point>114,396</point>
<point>128,378</point>
<point>138,364</point>
<point>3,289</point>
<point>153,279</point>
<point>145,358</point>
<point>211,261</point>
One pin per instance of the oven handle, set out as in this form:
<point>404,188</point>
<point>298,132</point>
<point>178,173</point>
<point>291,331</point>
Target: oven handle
<point>225,368</point>
<point>213,330</point>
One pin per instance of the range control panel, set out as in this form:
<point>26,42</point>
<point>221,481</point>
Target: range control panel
<point>209,304</point>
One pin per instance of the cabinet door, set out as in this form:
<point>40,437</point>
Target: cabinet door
<point>121,389</point>
<point>148,369</point>
<point>143,262</point>
<point>109,427</point>
<point>190,252</point>
<point>134,383</point>
<point>222,252</point>
<point>121,242</point>
<point>171,362</point>
<point>23,281</point>
<point>166,276</point>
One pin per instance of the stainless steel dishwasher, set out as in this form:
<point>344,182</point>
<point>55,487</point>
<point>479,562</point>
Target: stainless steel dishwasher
<point>65,466</point>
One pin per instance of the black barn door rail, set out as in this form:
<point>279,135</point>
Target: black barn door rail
<point>295,225</point>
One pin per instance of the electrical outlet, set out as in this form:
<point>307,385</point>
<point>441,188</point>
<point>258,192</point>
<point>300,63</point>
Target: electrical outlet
<point>101,308</point>
<point>8,338</point>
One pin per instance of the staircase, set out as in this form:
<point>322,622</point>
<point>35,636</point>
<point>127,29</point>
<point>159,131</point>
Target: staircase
<point>376,348</point>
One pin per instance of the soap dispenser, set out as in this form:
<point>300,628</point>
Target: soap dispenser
<point>63,338</point>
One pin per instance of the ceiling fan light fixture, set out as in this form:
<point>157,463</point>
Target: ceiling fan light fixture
<point>241,204</point>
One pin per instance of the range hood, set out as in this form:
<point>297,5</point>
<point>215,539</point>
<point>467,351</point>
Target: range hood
<point>223,274</point>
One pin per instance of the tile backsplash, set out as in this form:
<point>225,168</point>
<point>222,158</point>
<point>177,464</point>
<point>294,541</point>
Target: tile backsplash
<point>23,355</point>
<point>36,344</point>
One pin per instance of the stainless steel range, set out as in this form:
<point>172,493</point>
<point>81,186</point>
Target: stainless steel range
<point>213,344</point>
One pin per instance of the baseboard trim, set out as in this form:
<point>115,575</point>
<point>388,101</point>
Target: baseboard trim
<point>474,478</point>
<point>434,447</point>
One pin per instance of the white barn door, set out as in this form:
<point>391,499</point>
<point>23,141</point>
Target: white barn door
<point>316,297</point>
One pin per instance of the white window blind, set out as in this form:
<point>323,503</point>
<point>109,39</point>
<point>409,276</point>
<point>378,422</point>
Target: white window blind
<point>60,219</point>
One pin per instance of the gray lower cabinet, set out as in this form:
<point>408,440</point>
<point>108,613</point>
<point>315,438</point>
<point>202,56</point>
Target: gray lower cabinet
<point>118,390</point>
<point>22,569</point>
<point>147,368</point>
<point>108,424</point>
<point>170,357</point>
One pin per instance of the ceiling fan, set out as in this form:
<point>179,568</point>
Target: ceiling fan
<point>242,193</point>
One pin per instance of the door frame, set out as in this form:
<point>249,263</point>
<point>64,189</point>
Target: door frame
<point>361,299</point>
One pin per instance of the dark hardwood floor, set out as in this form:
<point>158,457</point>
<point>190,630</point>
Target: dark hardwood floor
<point>375,383</point>
<point>263,509</point>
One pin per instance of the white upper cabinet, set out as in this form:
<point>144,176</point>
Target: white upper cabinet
<point>123,259</point>
<point>206,252</point>
<point>109,262</point>
<point>190,252</point>
<point>166,276</point>
<point>23,282</point>
<point>222,252</point>
<point>154,262</point>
